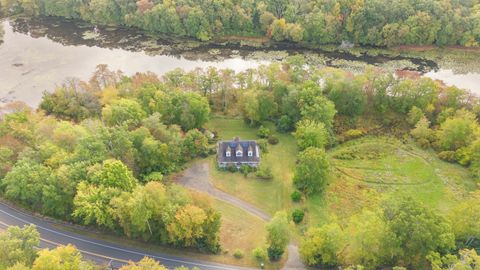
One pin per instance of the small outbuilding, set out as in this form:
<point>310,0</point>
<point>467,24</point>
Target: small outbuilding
<point>237,153</point>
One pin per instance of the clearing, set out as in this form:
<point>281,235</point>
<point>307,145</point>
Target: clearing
<point>366,169</point>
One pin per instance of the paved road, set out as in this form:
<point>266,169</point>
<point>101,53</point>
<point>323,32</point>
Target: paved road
<point>98,250</point>
<point>197,177</point>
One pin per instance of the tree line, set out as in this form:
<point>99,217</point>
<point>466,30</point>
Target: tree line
<point>19,251</point>
<point>372,23</point>
<point>98,158</point>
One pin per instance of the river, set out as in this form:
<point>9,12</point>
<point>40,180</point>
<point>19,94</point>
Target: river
<point>36,55</point>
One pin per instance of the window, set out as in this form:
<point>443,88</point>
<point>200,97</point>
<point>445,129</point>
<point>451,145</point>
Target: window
<point>239,153</point>
<point>250,153</point>
<point>228,154</point>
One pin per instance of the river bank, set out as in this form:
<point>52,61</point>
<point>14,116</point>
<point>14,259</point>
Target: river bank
<point>40,53</point>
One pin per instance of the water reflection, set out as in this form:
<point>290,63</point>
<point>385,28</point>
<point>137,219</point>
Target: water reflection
<point>37,54</point>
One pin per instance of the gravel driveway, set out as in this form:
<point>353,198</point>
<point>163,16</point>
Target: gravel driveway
<point>197,177</point>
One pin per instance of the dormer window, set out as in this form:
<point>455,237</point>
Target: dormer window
<point>239,153</point>
<point>250,153</point>
<point>228,154</point>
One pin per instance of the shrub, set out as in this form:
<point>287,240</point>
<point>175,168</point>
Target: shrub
<point>260,254</point>
<point>263,144</point>
<point>448,156</point>
<point>353,134</point>
<point>272,140</point>
<point>238,254</point>
<point>154,176</point>
<point>264,173</point>
<point>245,170</point>
<point>423,143</point>
<point>263,132</point>
<point>285,124</point>
<point>296,196</point>
<point>297,215</point>
<point>232,168</point>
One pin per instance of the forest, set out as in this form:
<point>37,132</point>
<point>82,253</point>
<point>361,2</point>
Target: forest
<point>366,23</point>
<point>99,153</point>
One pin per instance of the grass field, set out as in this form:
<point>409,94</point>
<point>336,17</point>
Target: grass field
<point>365,170</point>
<point>268,195</point>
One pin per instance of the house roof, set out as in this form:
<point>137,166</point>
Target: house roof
<point>237,144</point>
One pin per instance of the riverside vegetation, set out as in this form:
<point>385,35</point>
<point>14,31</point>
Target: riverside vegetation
<point>97,153</point>
<point>374,23</point>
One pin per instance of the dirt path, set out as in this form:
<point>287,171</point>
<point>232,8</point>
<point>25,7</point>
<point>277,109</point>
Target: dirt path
<point>197,177</point>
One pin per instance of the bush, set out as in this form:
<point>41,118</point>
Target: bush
<point>263,145</point>
<point>423,143</point>
<point>285,124</point>
<point>232,168</point>
<point>154,176</point>
<point>353,134</point>
<point>245,170</point>
<point>296,196</point>
<point>260,254</point>
<point>272,140</point>
<point>238,254</point>
<point>297,215</point>
<point>264,173</point>
<point>448,156</point>
<point>263,132</point>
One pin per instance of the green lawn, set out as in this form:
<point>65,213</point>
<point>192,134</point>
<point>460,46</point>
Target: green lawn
<point>269,195</point>
<point>365,170</point>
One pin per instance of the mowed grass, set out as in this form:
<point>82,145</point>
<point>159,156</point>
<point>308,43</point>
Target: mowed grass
<point>368,169</point>
<point>269,195</point>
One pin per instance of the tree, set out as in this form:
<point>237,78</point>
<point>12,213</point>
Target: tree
<point>464,218</point>
<point>311,173</point>
<point>17,245</point>
<point>112,173</point>
<point>92,205</point>
<point>71,103</point>
<point>314,106</point>
<point>311,134</point>
<point>195,143</point>
<point>458,131</point>
<point>422,132</point>
<point>368,241</point>
<point>145,264</point>
<point>26,181</point>
<point>348,96</point>
<point>321,246</point>
<point>123,111</point>
<point>193,226</point>
<point>135,211</point>
<point>60,258</point>
<point>277,235</point>
<point>278,30</point>
<point>467,260</point>
<point>187,109</point>
<point>277,7</point>
<point>414,231</point>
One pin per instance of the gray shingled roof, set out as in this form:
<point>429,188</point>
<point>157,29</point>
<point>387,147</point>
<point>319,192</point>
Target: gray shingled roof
<point>237,145</point>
